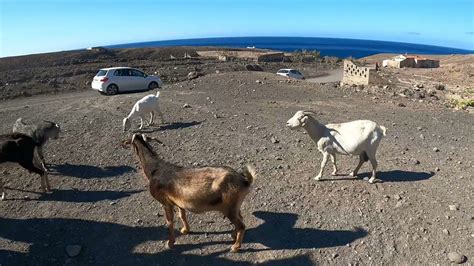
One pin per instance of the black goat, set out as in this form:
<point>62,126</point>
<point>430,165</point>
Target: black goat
<point>20,148</point>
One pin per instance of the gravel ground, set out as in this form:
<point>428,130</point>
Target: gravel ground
<point>100,201</point>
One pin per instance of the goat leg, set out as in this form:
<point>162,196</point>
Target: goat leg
<point>323,164</point>
<point>356,170</point>
<point>39,153</point>
<point>2,189</point>
<point>30,166</point>
<point>158,110</point>
<point>374,163</point>
<point>170,223</point>
<point>151,119</point>
<point>46,181</point>
<point>333,160</point>
<point>182,215</point>
<point>235,218</point>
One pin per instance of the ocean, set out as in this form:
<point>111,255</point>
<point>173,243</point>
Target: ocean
<point>327,46</point>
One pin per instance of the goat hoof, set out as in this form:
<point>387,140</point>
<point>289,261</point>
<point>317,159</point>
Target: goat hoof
<point>334,173</point>
<point>170,244</point>
<point>372,180</point>
<point>352,174</point>
<point>235,248</point>
<point>184,231</point>
<point>318,178</point>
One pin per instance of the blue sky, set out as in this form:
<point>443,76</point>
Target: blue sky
<point>29,26</point>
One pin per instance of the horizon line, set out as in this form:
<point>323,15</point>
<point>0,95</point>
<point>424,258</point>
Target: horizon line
<point>113,46</point>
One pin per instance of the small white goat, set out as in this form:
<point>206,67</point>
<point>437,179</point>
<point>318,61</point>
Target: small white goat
<point>147,104</point>
<point>360,137</point>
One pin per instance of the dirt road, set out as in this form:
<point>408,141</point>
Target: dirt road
<point>100,201</point>
<point>333,75</point>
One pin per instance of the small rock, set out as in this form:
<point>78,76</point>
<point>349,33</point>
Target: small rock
<point>193,75</point>
<point>445,231</point>
<point>397,197</point>
<point>73,250</point>
<point>414,161</point>
<point>335,255</point>
<point>421,136</point>
<point>274,140</point>
<point>437,169</point>
<point>453,207</point>
<point>456,257</point>
<point>440,87</point>
<point>401,105</point>
<point>186,105</point>
<point>435,149</point>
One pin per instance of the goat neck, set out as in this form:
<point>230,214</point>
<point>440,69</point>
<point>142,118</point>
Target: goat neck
<point>147,157</point>
<point>315,129</point>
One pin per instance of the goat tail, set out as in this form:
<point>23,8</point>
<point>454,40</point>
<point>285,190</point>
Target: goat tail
<point>384,130</point>
<point>249,173</point>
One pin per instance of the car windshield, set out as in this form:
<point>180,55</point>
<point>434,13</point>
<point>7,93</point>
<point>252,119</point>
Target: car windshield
<point>101,73</point>
<point>295,72</point>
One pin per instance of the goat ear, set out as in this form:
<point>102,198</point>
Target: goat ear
<point>303,120</point>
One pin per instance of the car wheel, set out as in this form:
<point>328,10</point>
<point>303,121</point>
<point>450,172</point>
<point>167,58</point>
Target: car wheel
<point>112,89</point>
<point>153,85</point>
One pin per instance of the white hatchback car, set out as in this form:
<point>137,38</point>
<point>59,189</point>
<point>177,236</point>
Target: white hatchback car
<point>121,79</point>
<point>290,73</point>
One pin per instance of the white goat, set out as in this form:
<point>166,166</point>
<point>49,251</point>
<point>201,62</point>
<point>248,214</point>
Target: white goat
<point>147,104</point>
<point>360,137</point>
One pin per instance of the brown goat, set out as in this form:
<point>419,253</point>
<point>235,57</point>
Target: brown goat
<point>20,148</point>
<point>197,190</point>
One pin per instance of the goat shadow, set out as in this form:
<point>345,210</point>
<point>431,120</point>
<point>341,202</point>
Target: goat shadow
<point>73,195</point>
<point>390,176</point>
<point>278,233</point>
<point>90,171</point>
<point>103,243</point>
<point>170,126</point>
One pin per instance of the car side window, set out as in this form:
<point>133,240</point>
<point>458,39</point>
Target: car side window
<point>137,73</point>
<point>117,73</point>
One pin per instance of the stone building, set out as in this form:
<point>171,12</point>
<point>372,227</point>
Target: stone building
<point>414,61</point>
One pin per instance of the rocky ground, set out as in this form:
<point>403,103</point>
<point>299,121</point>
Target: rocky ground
<point>100,212</point>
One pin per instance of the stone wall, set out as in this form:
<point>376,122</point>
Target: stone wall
<point>356,75</point>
